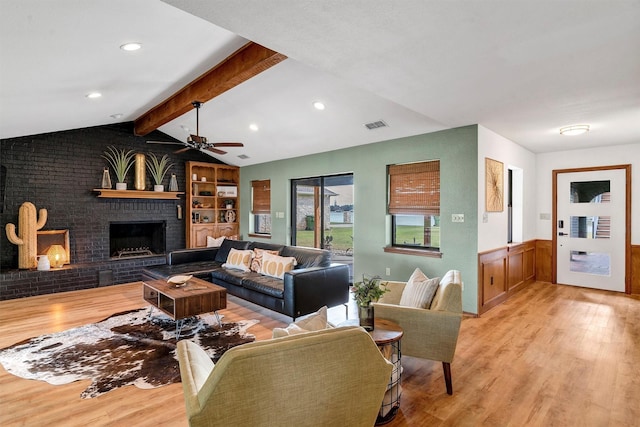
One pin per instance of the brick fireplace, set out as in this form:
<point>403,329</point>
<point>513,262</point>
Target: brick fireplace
<point>57,172</point>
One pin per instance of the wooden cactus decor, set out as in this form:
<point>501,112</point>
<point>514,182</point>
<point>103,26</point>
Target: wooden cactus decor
<point>27,240</point>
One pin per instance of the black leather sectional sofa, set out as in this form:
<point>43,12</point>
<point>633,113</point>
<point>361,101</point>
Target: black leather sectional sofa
<point>314,282</point>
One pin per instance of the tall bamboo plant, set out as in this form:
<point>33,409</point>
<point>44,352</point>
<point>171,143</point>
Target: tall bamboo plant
<point>158,168</point>
<point>120,160</point>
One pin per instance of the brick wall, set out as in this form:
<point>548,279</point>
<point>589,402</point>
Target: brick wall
<point>57,171</point>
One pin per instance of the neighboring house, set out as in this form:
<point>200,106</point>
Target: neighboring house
<point>305,205</point>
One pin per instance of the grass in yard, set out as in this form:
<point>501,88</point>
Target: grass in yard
<point>342,237</point>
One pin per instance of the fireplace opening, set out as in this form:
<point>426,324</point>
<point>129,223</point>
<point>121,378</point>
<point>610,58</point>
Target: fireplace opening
<point>137,238</point>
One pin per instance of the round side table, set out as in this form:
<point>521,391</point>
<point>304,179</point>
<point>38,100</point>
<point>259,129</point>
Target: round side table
<point>387,335</point>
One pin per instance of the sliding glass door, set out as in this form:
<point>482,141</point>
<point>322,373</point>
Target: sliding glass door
<point>322,215</point>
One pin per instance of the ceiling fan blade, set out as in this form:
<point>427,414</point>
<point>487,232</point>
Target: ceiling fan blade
<point>228,144</point>
<point>215,150</point>
<point>182,150</point>
<point>165,142</point>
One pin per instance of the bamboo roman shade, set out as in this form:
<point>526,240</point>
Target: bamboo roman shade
<point>414,188</point>
<point>261,193</point>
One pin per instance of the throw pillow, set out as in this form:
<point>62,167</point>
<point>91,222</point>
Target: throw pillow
<point>312,322</point>
<point>419,290</point>
<point>239,259</point>
<point>212,242</point>
<point>256,263</point>
<point>276,266</point>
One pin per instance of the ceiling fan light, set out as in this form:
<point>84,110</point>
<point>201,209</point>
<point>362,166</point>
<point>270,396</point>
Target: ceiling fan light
<point>574,130</point>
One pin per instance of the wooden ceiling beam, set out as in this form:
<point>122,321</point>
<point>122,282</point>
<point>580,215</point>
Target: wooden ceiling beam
<point>248,61</point>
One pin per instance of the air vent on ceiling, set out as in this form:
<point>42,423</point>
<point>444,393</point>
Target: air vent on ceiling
<point>376,125</point>
<point>243,156</point>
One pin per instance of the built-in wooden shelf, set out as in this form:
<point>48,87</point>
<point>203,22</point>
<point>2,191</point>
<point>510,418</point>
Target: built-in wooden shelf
<point>137,194</point>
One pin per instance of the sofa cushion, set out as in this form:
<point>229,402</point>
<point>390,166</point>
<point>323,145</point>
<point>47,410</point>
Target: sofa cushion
<point>256,262</point>
<point>276,266</point>
<point>227,245</point>
<point>228,275</point>
<point>308,257</point>
<point>240,260</point>
<point>419,290</point>
<point>263,284</point>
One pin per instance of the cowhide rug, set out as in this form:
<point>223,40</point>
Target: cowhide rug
<point>126,348</point>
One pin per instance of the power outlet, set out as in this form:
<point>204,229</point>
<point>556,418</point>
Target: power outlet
<point>457,217</point>
<point>388,271</point>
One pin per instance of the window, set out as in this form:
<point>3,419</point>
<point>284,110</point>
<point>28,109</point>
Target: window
<point>261,206</point>
<point>414,205</point>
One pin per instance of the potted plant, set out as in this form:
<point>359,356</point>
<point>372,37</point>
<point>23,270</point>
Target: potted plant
<point>228,204</point>
<point>121,161</point>
<point>369,290</point>
<point>158,168</point>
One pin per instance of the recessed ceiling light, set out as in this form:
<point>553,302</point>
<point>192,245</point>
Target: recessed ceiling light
<point>94,95</point>
<point>318,105</point>
<point>131,46</point>
<point>574,130</point>
<point>184,128</point>
<point>116,116</point>
<point>253,127</point>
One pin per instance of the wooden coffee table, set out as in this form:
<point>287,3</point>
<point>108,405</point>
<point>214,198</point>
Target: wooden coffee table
<point>196,297</point>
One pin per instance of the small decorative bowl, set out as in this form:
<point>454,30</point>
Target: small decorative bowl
<point>179,281</point>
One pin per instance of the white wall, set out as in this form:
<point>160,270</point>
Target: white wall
<point>604,156</point>
<point>493,233</point>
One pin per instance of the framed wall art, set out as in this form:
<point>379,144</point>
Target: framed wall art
<point>494,185</point>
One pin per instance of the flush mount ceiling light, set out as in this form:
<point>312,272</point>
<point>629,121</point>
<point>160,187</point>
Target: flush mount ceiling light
<point>93,95</point>
<point>253,127</point>
<point>116,116</point>
<point>318,105</point>
<point>574,130</point>
<point>131,46</point>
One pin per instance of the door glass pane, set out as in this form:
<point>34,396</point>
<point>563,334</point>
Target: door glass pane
<point>598,263</point>
<point>590,227</point>
<point>590,192</point>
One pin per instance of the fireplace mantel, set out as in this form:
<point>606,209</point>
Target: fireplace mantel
<point>136,194</point>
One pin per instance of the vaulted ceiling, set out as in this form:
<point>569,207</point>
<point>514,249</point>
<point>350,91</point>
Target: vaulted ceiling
<point>521,68</point>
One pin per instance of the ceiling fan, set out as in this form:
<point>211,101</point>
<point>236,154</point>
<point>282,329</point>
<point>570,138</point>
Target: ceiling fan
<point>197,142</point>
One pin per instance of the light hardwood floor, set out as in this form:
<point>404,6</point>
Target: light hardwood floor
<point>550,356</point>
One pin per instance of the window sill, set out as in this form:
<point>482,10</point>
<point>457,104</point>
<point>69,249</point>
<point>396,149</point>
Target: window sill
<point>261,236</point>
<point>409,251</point>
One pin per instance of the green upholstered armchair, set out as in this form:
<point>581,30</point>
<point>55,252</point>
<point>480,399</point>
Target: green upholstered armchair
<point>428,333</point>
<point>330,377</point>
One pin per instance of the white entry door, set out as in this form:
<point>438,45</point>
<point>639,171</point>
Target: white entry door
<point>591,229</point>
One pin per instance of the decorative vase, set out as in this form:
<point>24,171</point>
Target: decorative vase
<point>43,263</point>
<point>106,179</point>
<point>158,187</point>
<point>365,317</point>
<point>140,172</point>
<point>173,183</point>
<point>121,185</point>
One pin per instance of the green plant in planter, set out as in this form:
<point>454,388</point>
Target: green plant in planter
<point>158,168</point>
<point>120,160</point>
<point>369,290</point>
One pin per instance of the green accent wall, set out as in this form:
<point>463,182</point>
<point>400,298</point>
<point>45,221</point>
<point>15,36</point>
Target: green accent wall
<point>457,151</point>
